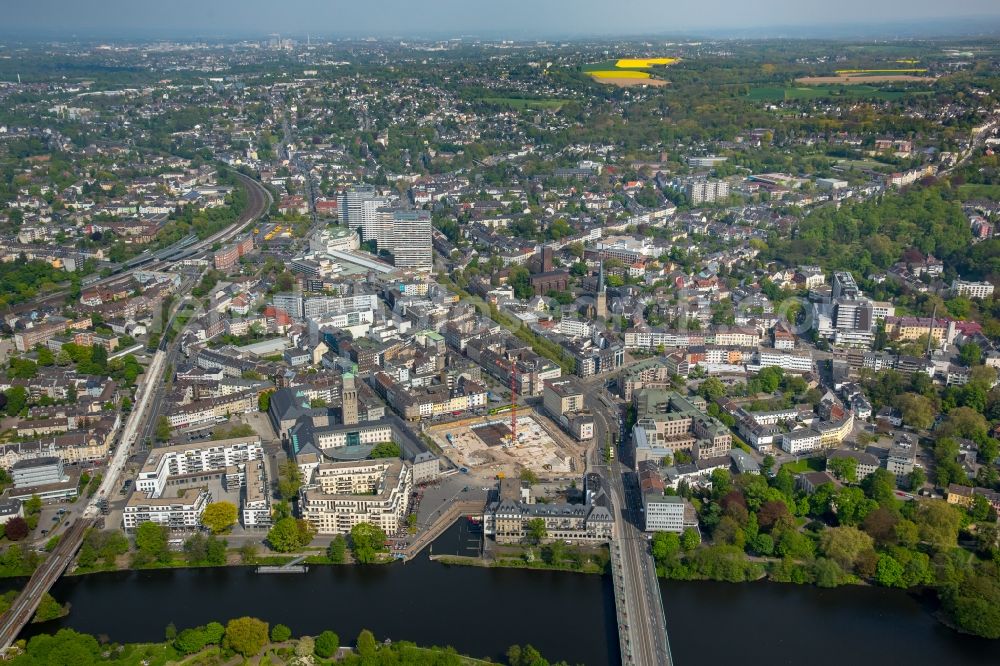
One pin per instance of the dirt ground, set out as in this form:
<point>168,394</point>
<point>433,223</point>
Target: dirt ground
<point>483,447</point>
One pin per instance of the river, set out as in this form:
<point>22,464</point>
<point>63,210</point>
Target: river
<point>566,616</point>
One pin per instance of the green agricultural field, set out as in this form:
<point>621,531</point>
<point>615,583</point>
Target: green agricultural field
<point>521,103</point>
<point>817,92</point>
<point>978,191</point>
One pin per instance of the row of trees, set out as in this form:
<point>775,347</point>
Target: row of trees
<point>246,638</point>
<point>838,535</point>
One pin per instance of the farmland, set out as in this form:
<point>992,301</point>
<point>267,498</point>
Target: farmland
<point>628,71</point>
<point>862,72</point>
<point>865,76</point>
<point>643,63</point>
<point>619,74</point>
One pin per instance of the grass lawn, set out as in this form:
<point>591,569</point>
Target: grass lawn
<point>977,191</point>
<point>806,465</point>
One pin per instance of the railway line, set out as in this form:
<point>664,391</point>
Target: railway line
<point>26,603</point>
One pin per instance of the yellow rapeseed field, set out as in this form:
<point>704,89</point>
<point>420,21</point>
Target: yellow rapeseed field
<point>619,74</point>
<point>640,63</point>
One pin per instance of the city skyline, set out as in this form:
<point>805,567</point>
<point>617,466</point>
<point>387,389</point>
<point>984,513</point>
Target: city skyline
<point>516,19</point>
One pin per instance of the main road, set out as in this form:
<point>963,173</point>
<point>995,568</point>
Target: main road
<point>642,629</point>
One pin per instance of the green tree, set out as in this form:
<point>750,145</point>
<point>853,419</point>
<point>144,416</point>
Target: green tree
<point>970,354</point>
<point>712,388</point>
<point>246,635</point>
<point>535,530</point>
<point>827,572</point>
<point>889,572</point>
<point>988,451</point>
<point>762,544</point>
<point>367,542</point>
<point>289,480</point>
<point>264,401</point>
<point>938,523</point>
<point>844,468</point>
<point>880,485</point>
<point>666,547</point>
<point>151,544</point>
<point>917,411</point>
<point>337,549</point>
<point>769,379</point>
<point>767,464</point>
<point>520,281</point>
<point>46,357</point>
<point>385,450</point>
<point>689,539</point>
<point>327,644</point>
<point>33,505</point>
<point>287,535</point>
<point>916,479</point>
<point>219,517</point>
<point>973,604</point>
<point>163,429</point>
<point>280,633</point>
<point>845,545</point>
<point>99,357</point>
<point>17,400</point>
<point>366,645</point>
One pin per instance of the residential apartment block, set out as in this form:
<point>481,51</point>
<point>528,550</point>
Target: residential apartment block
<point>339,496</point>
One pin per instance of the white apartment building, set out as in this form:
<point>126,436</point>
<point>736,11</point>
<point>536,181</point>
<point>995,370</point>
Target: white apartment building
<point>575,328</point>
<point>352,208</point>
<point>410,239</point>
<point>318,306</point>
<point>256,496</point>
<point>702,191</point>
<point>426,467</point>
<point>342,495</point>
<point>972,289</point>
<point>785,361</point>
<point>175,513</point>
<point>737,337</point>
<point>213,409</point>
<point>801,441</point>
<point>357,434</point>
<point>183,459</point>
<point>663,513</point>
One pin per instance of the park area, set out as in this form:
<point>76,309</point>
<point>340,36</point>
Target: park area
<point>486,444</point>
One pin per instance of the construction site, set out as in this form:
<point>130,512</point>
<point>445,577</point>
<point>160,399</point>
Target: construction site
<point>486,445</point>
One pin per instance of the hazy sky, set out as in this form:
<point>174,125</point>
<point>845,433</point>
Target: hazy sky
<point>514,17</point>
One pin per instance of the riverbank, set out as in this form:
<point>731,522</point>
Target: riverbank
<point>245,640</point>
<point>512,563</point>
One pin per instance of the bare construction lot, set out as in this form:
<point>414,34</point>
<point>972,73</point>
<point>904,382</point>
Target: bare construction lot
<point>486,445</point>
